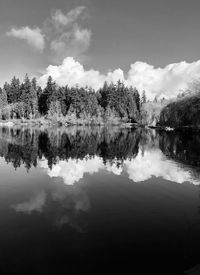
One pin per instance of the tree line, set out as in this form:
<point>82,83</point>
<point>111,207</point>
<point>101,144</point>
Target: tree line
<point>27,100</point>
<point>26,146</point>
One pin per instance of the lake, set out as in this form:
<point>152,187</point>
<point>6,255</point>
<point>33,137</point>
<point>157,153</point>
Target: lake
<point>99,200</point>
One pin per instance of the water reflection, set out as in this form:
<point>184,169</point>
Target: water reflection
<point>182,146</point>
<point>103,197</point>
<point>73,152</point>
<point>72,170</point>
<point>35,203</point>
<point>154,163</point>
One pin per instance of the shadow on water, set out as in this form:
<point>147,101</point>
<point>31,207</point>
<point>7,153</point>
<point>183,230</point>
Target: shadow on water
<point>98,200</point>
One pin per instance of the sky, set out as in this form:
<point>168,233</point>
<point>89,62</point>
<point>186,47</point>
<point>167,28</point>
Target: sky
<point>151,44</point>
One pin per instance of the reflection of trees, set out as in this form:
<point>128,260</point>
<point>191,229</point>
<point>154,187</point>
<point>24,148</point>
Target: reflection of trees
<point>26,145</point>
<point>19,146</point>
<point>121,146</point>
<point>183,146</point>
<point>149,139</point>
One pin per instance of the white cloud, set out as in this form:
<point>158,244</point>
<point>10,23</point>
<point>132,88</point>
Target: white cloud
<point>71,72</point>
<point>33,37</point>
<point>167,81</point>
<point>67,37</point>
<point>60,19</point>
<point>72,43</point>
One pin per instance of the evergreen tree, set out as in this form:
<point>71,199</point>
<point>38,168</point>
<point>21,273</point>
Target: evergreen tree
<point>136,96</point>
<point>3,99</point>
<point>26,96</point>
<point>46,96</point>
<point>33,102</point>
<point>144,98</point>
<point>39,92</point>
<point>34,83</point>
<point>3,105</point>
<point>13,93</point>
<point>28,100</point>
<point>6,87</point>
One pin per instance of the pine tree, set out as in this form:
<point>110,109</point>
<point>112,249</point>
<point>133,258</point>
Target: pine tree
<point>13,92</point>
<point>26,96</point>
<point>137,97</point>
<point>33,102</point>
<point>144,98</point>
<point>46,97</point>
<point>34,83</point>
<point>39,92</point>
<point>3,105</point>
<point>6,87</point>
<point>4,99</point>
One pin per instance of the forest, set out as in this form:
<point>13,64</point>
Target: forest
<point>113,103</point>
<point>29,101</point>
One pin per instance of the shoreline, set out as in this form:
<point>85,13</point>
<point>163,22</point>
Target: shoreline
<point>64,123</point>
<point>49,122</point>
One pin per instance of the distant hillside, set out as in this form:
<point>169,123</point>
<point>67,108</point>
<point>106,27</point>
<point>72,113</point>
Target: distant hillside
<point>183,112</point>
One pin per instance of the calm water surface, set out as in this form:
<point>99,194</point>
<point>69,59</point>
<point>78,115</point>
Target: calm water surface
<point>96,200</point>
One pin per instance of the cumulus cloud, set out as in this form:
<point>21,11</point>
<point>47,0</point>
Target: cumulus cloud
<point>33,37</point>
<point>71,72</point>
<point>167,81</point>
<point>61,19</point>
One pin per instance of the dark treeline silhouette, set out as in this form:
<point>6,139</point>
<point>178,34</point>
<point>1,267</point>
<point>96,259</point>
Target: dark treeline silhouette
<point>27,146</point>
<point>182,146</point>
<point>27,100</point>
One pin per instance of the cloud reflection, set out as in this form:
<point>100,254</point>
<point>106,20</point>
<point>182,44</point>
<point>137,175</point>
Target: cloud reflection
<point>35,203</point>
<point>64,203</point>
<point>72,199</point>
<point>73,170</point>
<point>154,163</point>
<point>144,166</point>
